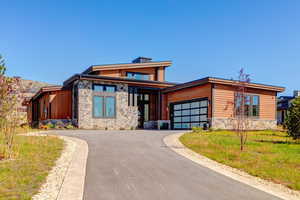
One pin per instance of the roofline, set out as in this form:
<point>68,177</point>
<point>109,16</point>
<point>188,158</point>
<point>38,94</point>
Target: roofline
<point>115,79</point>
<point>46,89</point>
<point>221,81</point>
<point>127,65</point>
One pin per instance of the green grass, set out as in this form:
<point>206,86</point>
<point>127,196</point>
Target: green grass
<point>21,177</point>
<point>268,154</point>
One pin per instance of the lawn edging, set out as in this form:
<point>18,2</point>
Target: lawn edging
<point>172,141</point>
<point>66,179</point>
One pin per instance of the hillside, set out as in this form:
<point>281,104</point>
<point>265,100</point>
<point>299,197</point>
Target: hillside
<point>29,89</point>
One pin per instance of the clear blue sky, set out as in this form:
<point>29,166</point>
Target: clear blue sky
<point>51,40</point>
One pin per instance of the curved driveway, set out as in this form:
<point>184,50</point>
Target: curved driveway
<point>136,165</point>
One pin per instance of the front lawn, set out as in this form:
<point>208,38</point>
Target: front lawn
<point>21,177</point>
<point>269,154</point>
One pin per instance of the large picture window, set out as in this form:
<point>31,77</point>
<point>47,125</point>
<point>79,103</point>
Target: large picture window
<point>104,101</point>
<point>251,105</point>
<point>104,107</point>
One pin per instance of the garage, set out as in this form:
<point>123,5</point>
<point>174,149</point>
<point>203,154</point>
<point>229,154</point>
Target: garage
<point>188,114</point>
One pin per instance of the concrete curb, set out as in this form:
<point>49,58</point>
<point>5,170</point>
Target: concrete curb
<point>172,141</point>
<point>66,179</point>
<point>73,185</point>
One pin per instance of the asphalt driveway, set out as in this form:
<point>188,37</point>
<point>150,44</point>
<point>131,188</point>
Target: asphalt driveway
<point>136,165</point>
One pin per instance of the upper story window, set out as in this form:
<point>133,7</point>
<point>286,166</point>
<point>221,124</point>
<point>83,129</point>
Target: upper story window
<point>251,105</point>
<point>104,88</point>
<point>137,75</point>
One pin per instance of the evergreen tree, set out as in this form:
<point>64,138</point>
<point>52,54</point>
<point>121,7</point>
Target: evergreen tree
<point>292,121</point>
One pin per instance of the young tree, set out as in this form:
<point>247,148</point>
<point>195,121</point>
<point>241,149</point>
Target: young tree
<point>10,96</point>
<point>292,121</point>
<point>240,108</point>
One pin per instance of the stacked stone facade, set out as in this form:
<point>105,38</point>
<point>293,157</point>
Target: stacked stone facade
<point>126,116</point>
<point>252,124</point>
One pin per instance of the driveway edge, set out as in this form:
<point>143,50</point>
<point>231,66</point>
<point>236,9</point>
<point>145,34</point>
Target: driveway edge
<point>66,179</point>
<point>172,141</point>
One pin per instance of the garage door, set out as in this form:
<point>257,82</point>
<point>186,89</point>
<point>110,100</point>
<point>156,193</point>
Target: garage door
<point>188,114</point>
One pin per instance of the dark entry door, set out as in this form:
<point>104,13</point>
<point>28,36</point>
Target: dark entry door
<point>188,114</point>
<point>143,108</point>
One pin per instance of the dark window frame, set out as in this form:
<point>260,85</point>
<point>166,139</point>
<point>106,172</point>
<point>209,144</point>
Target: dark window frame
<point>250,111</point>
<point>104,107</point>
<point>104,87</point>
<point>104,94</point>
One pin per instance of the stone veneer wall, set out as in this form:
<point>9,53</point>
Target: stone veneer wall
<point>126,116</point>
<point>253,124</point>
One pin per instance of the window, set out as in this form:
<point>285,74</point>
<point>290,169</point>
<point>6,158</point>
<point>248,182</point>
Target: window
<point>139,76</point>
<point>104,107</point>
<point>104,88</point>
<point>132,96</point>
<point>104,101</point>
<point>251,105</point>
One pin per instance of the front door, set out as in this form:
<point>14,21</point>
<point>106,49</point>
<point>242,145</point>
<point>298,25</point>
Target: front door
<point>143,108</point>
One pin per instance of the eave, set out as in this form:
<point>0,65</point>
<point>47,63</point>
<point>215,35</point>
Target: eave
<point>127,66</point>
<point>223,82</point>
<point>46,89</point>
<point>117,80</point>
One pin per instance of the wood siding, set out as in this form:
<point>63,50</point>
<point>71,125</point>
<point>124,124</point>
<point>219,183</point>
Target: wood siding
<point>53,105</point>
<point>223,102</point>
<point>156,74</point>
<point>203,91</point>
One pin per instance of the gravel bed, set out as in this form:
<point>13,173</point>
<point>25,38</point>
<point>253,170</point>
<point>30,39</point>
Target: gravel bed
<point>50,189</point>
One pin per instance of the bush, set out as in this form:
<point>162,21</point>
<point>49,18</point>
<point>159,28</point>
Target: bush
<point>69,126</point>
<point>197,129</point>
<point>292,121</point>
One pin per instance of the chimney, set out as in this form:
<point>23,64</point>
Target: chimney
<point>142,60</point>
<point>296,93</point>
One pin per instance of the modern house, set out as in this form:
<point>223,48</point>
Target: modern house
<point>136,95</point>
<point>283,104</point>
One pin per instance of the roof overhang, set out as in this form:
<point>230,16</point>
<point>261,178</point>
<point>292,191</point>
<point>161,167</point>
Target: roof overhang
<point>94,68</point>
<point>223,82</point>
<point>129,81</point>
<point>46,89</point>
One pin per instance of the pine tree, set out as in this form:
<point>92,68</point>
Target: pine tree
<point>292,121</point>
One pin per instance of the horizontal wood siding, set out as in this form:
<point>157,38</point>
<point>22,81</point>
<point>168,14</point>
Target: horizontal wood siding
<point>223,102</point>
<point>156,74</point>
<point>196,92</point>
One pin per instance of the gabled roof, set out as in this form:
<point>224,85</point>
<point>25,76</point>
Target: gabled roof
<point>127,66</point>
<point>221,81</point>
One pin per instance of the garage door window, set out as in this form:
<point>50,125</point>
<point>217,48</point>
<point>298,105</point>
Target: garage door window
<point>188,114</point>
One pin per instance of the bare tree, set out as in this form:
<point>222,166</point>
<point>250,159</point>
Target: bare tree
<point>241,108</point>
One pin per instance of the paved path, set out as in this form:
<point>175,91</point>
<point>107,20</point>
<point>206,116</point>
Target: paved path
<point>136,165</point>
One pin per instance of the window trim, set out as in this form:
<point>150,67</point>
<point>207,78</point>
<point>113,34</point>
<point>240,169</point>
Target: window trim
<point>251,105</point>
<point>104,107</point>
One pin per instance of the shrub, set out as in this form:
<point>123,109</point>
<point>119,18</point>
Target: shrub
<point>197,129</point>
<point>69,126</point>
<point>292,121</point>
